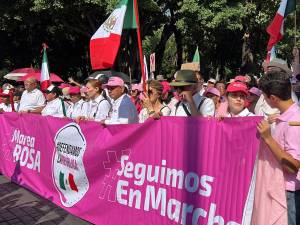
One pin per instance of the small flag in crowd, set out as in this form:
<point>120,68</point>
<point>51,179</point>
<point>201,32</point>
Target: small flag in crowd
<point>45,75</point>
<point>196,56</point>
<point>146,68</point>
<point>275,29</point>
<point>105,43</point>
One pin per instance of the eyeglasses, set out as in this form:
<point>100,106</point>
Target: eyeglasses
<point>111,88</point>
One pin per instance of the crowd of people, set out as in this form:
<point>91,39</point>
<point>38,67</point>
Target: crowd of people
<point>109,100</point>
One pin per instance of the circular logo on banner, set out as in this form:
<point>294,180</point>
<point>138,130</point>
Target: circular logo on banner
<point>69,174</point>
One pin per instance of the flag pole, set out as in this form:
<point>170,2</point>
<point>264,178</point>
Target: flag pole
<point>295,26</point>
<point>136,10</point>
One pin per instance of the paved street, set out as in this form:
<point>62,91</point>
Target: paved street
<point>21,207</point>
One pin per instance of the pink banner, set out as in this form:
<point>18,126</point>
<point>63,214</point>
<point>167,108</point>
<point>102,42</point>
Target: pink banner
<point>169,171</point>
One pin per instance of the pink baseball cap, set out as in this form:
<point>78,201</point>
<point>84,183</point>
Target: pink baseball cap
<point>64,85</point>
<point>74,90</point>
<point>137,87</point>
<point>115,81</point>
<point>240,78</point>
<point>255,91</point>
<point>237,87</point>
<point>213,91</point>
<point>166,86</point>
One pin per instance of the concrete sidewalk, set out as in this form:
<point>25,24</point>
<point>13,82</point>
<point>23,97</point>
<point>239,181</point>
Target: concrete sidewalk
<point>19,206</point>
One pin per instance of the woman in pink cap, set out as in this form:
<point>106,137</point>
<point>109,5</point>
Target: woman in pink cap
<point>78,107</point>
<point>215,95</point>
<point>237,94</point>
<point>254,94</point>
<point>136,90</point>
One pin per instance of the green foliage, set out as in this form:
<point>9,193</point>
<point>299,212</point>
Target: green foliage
<point>217,27</point>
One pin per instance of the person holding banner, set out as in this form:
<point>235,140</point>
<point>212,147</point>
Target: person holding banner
<point>284,142</point>
<point>123,110</point>
<point>6,105</point>
<point>78,107</point>
<point>136,90</point>
<point>237,93</point>
<point>32,100</point>
<point>55,105</point>
<point>152,102</point>
<point>99,104</point>
<point>190,103</point>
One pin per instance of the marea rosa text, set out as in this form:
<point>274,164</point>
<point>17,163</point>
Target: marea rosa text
<point>25,152</point>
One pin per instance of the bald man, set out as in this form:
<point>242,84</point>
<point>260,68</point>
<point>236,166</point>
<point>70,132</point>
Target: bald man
<point>32,100</point>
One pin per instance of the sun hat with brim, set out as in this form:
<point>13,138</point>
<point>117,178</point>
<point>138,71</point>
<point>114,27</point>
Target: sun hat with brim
<point>213,91</point>
<point>255,91</point>
<point>237,87</point>
<point>212,80</point>
<point>5,93</point>
<point>102,78</point>
<point>184,78</point>
<point>279,63</point>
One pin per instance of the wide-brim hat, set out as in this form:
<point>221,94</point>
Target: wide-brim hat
<point>184,78</point>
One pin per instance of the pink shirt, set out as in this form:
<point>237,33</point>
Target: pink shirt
<point>222,109</point>
<point>288,137</point>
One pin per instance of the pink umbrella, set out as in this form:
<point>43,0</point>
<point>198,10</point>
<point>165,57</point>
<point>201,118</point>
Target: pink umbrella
<point>26,70</point>
<point>37,75</point>
<point>18,73</point>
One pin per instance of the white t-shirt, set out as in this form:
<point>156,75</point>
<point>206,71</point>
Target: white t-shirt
<point>144,115</point>
<point>207,107</point>
<point>80,108</point>
<point>123,111</point>
<point>54,108</point>
<point>98,109</point>
<point>32,100</point>
<point>262,108</point>
<point>6,108</point>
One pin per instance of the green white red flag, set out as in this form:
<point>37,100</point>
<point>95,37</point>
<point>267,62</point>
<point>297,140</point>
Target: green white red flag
<point>275,29</point>
<point>45,74</point>
<point>105,43</point>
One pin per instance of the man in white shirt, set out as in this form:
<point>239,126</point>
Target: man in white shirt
<point>123,110</point>
<point>78,107</point>
<point>55,106</point>
<point>32,100</point>
<point>191,102</point>
<point>5,106</point>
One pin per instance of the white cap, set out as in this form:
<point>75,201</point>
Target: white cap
<point>212,80</point>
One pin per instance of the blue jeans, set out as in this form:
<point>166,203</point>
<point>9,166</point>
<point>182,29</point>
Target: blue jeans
<point>293,205</point>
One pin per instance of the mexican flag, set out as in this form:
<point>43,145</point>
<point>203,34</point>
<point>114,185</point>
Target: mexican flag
<point>275,29</point>
<point>45,75</point>
<point>105,43</point>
